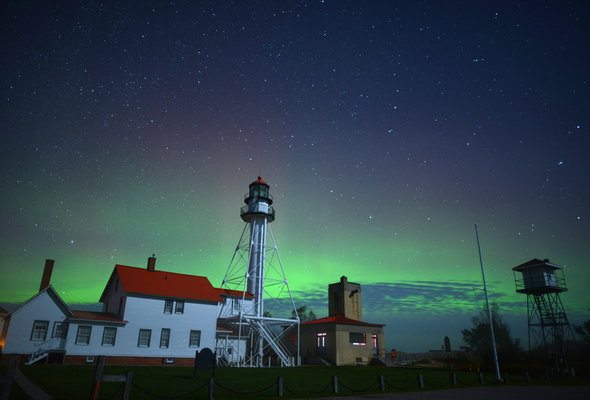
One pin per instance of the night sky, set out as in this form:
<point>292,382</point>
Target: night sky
<point>386,130</point>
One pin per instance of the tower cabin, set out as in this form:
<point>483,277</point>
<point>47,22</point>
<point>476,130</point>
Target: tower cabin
<point>539,276</point>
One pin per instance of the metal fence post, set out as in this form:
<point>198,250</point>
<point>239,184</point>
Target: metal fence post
<point>420,381</point>
<point>480,375</point>
<point>335,384</point>
<point>527,377</point>
<point>453,379</point>
<point>211,385</point>
<point>381,380</point>
<point>506,380</point>
<point>280,386</point>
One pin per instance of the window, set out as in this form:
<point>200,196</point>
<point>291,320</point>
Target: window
<point>168,306</point>
<point>357,339</point>
<point>144,338</point>
<point>374,341</point>
<point>108,336</point>
<point>89,359</point>
<point>169,360</point>
<point>83,335</point>
<point>179,307</point>
<point>322,339</point>
<point>165,338</point>
<point>236,304</point>
<point>60,330</point>
<point>195,339</point>
<point>39,332</point>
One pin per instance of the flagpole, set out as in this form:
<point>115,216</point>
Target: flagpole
<point>485,290</point>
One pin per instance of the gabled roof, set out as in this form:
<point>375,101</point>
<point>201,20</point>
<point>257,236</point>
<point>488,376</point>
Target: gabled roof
<point>95,316</point>
<point>52,293</point>
<point>140,281</point>
<point>536,263</point>
<point>340,319</point>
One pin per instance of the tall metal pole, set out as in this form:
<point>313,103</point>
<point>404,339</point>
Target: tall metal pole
<point>485,290</point>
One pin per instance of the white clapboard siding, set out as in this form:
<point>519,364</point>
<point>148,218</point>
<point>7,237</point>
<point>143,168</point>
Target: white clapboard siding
<point>42,307</point>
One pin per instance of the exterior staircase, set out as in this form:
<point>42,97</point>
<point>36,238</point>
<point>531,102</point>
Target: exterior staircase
<point>274,343</point>
<point>37,356</point>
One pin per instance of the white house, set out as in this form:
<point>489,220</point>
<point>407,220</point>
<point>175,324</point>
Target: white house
<point>149,317</point>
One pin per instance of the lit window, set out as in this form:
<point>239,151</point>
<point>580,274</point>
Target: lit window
<point>83,335</point>
<point>144,338</point>
<point>164,338</point>
<point>108,336</point>
<point>322,339</point>
<point>39,332</point>
<point>195,339</point>
<point>60,330</point>
<point>168,306</point>
<point>357,339</point>
<point>179,307</point>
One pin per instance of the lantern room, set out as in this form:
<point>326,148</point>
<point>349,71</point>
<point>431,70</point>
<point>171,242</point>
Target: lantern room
<point>539,276</point>
<point>258,202</point>
<point>258,191</point>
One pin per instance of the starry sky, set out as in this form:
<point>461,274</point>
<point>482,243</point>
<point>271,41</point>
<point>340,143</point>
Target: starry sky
<point>385,129</point>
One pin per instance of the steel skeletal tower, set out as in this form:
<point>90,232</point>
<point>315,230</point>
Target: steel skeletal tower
<point>549,327</point>
<point>265,322</point>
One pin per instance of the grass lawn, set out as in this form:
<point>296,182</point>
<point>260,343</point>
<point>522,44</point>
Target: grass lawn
<point>75,382</point>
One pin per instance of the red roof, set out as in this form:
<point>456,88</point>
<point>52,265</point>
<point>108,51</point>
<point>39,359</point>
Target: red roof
<point>340,319</point>
<point>95,316</point>
<point>234,293</point>
<point>165,284</point>
<point>259,181</point>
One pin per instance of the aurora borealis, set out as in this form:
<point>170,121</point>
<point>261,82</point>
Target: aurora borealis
<point>386,130</point>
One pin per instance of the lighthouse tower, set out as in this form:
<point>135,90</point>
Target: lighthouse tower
<point>265,322</point>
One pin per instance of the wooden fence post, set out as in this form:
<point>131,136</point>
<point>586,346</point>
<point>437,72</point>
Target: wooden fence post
<point>334,384</point>
<point>7,379</point>
<point>127,387</point>
<point>97,378</point>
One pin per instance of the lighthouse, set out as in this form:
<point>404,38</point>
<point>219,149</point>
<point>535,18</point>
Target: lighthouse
<point>257,213</point>
<point>264,320</point>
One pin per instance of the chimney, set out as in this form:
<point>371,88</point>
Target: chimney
<point>151,265</point>
<point>47,270</point>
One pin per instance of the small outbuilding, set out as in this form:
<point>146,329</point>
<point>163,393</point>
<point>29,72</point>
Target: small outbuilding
<point>342,338</point>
